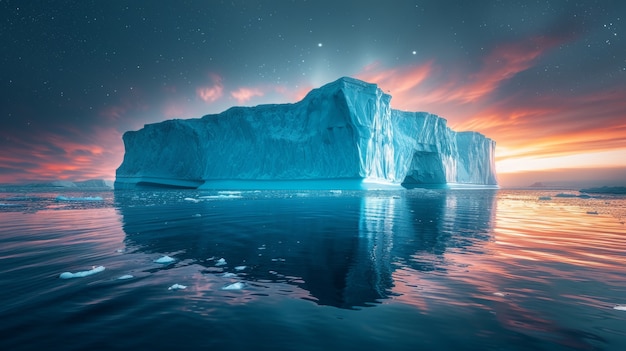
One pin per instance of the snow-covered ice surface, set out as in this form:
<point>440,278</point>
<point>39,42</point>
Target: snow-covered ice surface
<point>343,135</point>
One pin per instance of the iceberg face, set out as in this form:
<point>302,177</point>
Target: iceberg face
<point>342,135</point>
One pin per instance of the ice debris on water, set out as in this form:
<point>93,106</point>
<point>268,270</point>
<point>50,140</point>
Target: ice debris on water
<point>500,293</point>
<point>177,287</point>
<point>94,270</point>
<point>165,260</point>
<point>229,275</point>
<point>220,262</point>
<point>125,276</point>
<point>190,199</point>
<point>240,268</point>
<point>234,286</point>
<point>620,307</point>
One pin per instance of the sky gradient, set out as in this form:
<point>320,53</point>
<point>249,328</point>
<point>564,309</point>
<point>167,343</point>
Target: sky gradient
<point>545,79</point>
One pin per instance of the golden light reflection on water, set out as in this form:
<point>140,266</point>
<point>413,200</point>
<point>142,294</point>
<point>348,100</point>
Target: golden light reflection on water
<point>560,232</point>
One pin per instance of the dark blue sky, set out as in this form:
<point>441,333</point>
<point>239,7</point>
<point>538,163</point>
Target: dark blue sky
<point>545,79</point>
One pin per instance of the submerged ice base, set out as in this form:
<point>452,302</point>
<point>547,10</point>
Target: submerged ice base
<point>343,135</point>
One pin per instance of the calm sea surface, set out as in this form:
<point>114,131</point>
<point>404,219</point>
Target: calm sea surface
<point>320,270</point>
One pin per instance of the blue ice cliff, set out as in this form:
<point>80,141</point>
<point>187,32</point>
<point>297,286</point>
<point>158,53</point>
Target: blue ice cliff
<point>342,135</point>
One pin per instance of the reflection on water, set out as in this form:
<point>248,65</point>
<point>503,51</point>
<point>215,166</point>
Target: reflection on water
<point>436,269</point>
<point>343,250</point>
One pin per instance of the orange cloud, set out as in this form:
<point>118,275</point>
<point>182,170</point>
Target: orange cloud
<point>212,92</point>
<point>245,94</point>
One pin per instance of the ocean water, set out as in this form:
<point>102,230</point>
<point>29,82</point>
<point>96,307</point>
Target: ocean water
<point>312,270</point>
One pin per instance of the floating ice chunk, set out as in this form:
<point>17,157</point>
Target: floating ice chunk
<point>165,260</point>
<point>229,275</point>
<point>125,276</point>
<point>336,192</point>
<point>234,286</point>
<point>197,215</point>
<point>87,198</point>
<point>620,307</point>
<point>240,268</point>
<point>278,260</point>
<point>220,262</point>
<point>190,199</point>
<point>94,270</point>
<point>499,293</point>
<point>177,287</point>
<point>229,192</point>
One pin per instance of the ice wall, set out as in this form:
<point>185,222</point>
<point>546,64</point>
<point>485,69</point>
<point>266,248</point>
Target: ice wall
<point>342,133</point>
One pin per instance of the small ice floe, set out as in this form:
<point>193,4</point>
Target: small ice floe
<point>87,198</point>
<point>278,259</point>
<point>177,287</point>
<point>125,276</point>
<point>240,268</point>
<point>94,270</point>
<point>120,250</point>
<point>234,286</point>
<point>197,215</point>
<point>190,199</point>
<point>220,262</point>
<point>620,307</point>
<point>226,192</point>
<point>229,275</point>
<point>336,192</point>
<point>500,293</point>
<point>165,260</point>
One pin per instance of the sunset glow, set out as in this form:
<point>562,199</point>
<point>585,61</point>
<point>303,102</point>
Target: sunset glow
<point>551,93</point>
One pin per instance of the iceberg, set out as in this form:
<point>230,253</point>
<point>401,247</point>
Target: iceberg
<point>343,135</point>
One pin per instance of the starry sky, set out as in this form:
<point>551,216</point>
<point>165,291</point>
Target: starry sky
<point>545,79</point>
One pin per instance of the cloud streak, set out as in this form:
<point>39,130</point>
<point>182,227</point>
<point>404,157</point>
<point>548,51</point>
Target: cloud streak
<point>211,93</point>
<point>243,94</point>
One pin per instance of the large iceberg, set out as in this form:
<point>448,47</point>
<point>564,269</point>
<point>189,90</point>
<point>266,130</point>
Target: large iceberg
<point>342,135</point>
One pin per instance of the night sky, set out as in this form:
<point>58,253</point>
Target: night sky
<point>545,79</point>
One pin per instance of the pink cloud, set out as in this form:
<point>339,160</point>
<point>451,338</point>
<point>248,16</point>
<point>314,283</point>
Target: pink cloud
<point>244,94</point>
<point>212,92</point>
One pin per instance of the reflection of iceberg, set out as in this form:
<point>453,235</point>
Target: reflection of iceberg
<point>341,248</point>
